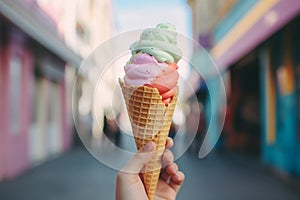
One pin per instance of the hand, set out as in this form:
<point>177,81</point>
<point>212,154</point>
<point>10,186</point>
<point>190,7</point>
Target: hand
<point>129,185</point>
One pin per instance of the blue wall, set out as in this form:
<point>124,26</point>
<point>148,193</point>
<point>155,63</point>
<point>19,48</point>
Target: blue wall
<point>284,154</point>
<point>236,13</point>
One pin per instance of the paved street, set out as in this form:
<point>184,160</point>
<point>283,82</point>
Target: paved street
<point>77,175</point>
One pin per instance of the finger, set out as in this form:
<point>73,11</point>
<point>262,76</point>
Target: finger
<point>177,180</point>
<point>172,169</point>
<point>169,142</point>
<point>167,158</point>
<point>165,176</point>
<point>169,171</point>
<point>140,159</point>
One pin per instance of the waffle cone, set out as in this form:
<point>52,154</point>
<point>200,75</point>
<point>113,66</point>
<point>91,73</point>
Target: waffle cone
<point>150,120</point>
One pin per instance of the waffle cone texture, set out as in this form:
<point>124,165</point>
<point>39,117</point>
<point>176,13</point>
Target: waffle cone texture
<point>150,121</point>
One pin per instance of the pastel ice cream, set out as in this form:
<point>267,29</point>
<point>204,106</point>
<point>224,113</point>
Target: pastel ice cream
<point>149,90</point>
<point>154,61</point>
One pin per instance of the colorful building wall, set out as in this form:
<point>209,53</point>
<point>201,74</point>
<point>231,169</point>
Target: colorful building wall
<point>16,66</point>
<point>59,33</point>
<point>33,105</point>
<point>280,101</point>
<point>268,30</point>
<point>85,24</point>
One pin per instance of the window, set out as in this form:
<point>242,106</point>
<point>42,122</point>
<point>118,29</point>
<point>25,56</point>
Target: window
<point>15,82</point>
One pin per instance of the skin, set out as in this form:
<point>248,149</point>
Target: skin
<point>129,185</point>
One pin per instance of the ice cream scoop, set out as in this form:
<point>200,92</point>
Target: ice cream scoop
<point>146,70</point>
<point>160,42</point>
<point>154,61</point>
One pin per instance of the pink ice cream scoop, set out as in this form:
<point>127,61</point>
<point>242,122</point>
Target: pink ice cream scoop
<point>145,70</point>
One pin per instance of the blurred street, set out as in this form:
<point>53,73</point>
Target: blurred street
<point>238,95</point>
<point>77,175</point>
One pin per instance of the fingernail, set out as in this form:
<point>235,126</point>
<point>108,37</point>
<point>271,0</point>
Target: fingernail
<point>172,168</point>
<point>149,146</point>
<point>168,156</point>
<point>177,176</point>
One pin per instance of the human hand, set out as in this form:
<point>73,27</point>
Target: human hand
<point>129,185</point>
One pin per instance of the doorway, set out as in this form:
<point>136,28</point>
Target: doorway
<point>245,80</point>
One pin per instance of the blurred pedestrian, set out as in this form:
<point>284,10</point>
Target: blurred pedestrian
<point>112,130</point>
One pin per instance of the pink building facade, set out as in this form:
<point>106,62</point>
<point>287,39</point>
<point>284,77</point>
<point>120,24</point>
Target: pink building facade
<point>33,105</point>
<point>16,64</point>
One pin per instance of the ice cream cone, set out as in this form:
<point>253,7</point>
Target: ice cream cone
<point>150,120</point>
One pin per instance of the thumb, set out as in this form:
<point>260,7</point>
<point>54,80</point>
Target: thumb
<point>141,158</point>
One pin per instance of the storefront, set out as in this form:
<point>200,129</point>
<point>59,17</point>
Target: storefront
<point>48,107</point>
<point>35,119</point>
<point>245,105</point>
<point>257,43</point>
<point>280,98</point>
<point>16,66</point>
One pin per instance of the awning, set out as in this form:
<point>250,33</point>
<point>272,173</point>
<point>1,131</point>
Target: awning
<point>33,23</point>
<point>265,18</point>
